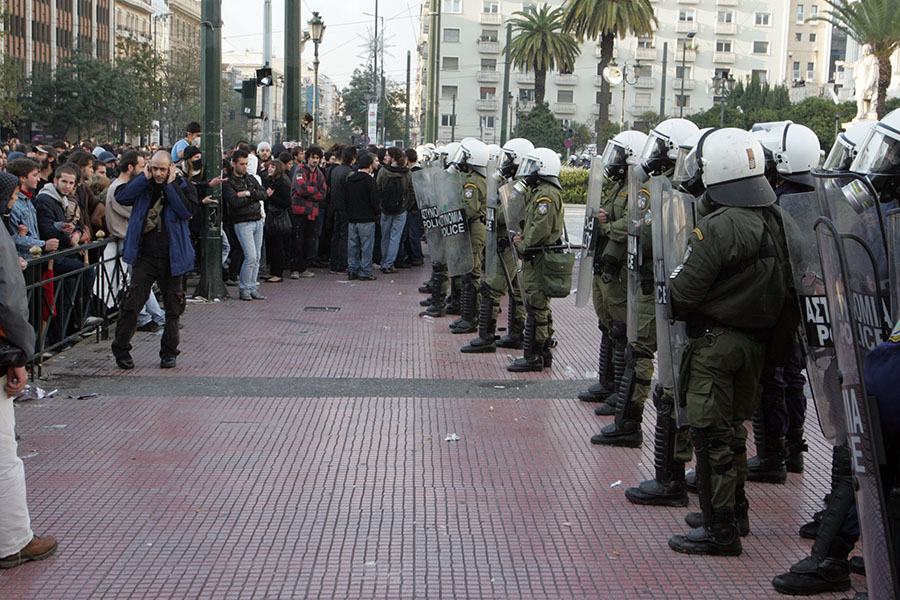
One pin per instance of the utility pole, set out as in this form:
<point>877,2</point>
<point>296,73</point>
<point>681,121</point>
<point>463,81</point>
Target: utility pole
<point>375,76</point>
<point>503,116</point>
<point>406,127</point>
<point>453,120</point>
<point>662,89</point>
<point>267,63</point>
<point>429,78</point>
<point>437,71</point>
<point>211,285</point>
<point>292,36</point>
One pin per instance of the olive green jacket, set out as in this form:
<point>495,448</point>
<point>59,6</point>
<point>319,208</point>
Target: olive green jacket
<point>474,193</point>
<point>543,217</point>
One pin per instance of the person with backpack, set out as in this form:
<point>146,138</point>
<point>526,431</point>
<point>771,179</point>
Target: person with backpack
<point>394,193</point>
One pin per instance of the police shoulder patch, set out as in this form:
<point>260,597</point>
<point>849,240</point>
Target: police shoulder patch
<point>687,254</point>
<point>469,191</point>
<point>699,233</point>
<point>543,206</point>
<point>648,219</point>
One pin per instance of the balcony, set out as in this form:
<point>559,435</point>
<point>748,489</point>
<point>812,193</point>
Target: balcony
<point>688,55</point>
<point>685,26</point>
<point>489,104</point>
<point>727,2</point>
<point>723,57</point>
<point>488,76</point>
<point>645,82</point>
<point>639,109</point>
<point>525,105</point>
<point>645,53</point>
<point>566,79</point>
<point>595,109</point>
<point>488,47</point>
<point>564,108</point>
<point>525,77</point>
<point>726,28</point>
<point>687,1</point>
<point>491,18</point>
<point>688,84</point>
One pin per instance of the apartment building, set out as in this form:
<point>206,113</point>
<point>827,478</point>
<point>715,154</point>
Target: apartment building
<point>41,33</point>
<point>671,72</point>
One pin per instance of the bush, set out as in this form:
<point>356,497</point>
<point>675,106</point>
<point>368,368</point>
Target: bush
<point>574,185</point>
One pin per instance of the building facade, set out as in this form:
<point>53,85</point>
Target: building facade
<point>669,73</point>
<point>134,21</point>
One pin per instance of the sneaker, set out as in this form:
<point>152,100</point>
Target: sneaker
<point>245,295</point>
<point>295,274</point>
<point>256,295</point>
<point>368,278</point>
<point>389,270</point>
<point>305,274</point>
<point>92,321</point>
<point>38,548</point>
<point>150,327</point>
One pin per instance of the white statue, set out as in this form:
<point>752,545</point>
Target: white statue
<point>865,82</point>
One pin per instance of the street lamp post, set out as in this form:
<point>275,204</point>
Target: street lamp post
<point>316,33</point>
<point>723,87</point>
<point>684,46</point>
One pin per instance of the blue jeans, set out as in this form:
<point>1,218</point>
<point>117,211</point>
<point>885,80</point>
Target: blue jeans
<point>391,232</point>
<point>250,236</point>
<point>360,239</point>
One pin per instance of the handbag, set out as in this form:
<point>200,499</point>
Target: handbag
<point>279,223</point>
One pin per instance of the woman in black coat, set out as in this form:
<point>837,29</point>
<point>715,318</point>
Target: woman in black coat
<point>278,188</point>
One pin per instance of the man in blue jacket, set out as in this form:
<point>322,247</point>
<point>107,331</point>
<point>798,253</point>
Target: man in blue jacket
<point>158,246</point>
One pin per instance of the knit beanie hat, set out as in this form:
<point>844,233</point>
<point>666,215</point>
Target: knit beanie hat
<point>8,183</point>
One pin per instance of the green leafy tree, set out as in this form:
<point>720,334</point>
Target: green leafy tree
<point>581,135</point>
<point>11,110</point>
<point>541,128</point>
<point>541,45</point>
<point>179,84</point>
<point>873,22</point>
<point>357,95</point>
<point>604,20</point>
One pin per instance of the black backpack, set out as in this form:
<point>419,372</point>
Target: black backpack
<point>392,196</point>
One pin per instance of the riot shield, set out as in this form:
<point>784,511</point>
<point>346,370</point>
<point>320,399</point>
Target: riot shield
<point>800,214</point>
<point>673,214</point>
<point>852,281</point>
<point>490,223</point>
<point>512,201</point>
<point>892,225</point>
<point>428,208</point>
<point>456,246</point>
<point>637,203</point>
<point>588,240</point>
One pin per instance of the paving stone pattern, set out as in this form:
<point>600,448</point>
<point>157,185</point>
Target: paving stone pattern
<point>228,493</point>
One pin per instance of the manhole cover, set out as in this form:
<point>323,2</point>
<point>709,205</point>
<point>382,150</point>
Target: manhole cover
<point>321,308</point>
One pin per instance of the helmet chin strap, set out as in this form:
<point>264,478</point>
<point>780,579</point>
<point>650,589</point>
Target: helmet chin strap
<point>705,205</point>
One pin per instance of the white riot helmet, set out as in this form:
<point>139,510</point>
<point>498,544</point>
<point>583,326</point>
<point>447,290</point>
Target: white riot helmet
<point>543,163</point>
<point>730,163</point>
<point>681,174</point>
<point>494,151</point>
<point>792,150</point>
<point>448,153</point>
<point>623,150</point>
<point>471,153</point>
<point>846,146</point>
<point>879,157</point>
<point>514,151</point>
<point>661,149</point>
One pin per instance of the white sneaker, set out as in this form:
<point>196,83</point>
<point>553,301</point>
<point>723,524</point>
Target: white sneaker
<point>295,274</point>
<point>304,274</point>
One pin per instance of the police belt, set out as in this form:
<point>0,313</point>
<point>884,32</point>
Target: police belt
<point>533,251</point>
<point>698,324</point>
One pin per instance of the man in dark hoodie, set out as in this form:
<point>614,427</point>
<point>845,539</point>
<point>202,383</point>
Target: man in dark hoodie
<point>337,182</point>
<point>362,210</point>
<point>394,191</point>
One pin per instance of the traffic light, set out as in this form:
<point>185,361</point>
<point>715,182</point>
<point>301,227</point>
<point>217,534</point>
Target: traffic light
<point>248,96</point>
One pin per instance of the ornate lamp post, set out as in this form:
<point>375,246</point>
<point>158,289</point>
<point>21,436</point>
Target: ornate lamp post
<point>723,87</point>
<point>316,33</point>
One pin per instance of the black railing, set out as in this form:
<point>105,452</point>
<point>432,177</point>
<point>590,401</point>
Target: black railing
<point>73,293</point>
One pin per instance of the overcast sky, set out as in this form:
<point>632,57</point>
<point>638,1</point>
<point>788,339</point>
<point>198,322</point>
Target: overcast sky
<point>346,29</point>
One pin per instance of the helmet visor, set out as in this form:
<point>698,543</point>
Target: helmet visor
<point>840,157</point>
<point>655,148</point>
<point>880,154</point>
<point>614,154</point>
<point>529,165</point>
<point>681,173</point>
<point>459,157</point>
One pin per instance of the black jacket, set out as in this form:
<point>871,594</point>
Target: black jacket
<point>245,208</point>
<point>362,197</point>
<point>14,301</point>
<point>337,185</point>
<point>51,214</point>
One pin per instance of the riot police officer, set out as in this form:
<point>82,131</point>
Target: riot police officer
<point>542,230</point>
<point>730,289</point>
<point>502,276</point>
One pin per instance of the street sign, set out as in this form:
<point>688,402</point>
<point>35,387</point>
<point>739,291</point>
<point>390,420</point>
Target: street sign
<point>568,144</point>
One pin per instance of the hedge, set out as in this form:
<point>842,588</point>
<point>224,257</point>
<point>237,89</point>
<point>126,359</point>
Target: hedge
<point>574,185</point>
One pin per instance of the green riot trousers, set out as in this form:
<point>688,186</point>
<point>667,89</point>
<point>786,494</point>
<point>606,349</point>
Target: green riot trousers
<point>644,348</point>
<point>498,286</point>
<point>611,298</point>
<point>538,302</point>
<point>720,375</point>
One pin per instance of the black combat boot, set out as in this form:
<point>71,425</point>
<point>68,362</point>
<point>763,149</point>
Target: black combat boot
<point>794,447</point>
<point>436,309</point>
<point>546,354</point>
<point>625,431</point>
<point>718,535</point>
<point>532,359</point>
<point>619,343</point>
<point>826,569</point>
<point>453,305</point>
<point>468,322</point>
<point>668,487</point>
<point>690,481</point>
<point>603,389</point>
<point>485,342</point>
<point>768,464</point>
<point>513,337</point>
<point>741,515</point>
<point>841,467</point>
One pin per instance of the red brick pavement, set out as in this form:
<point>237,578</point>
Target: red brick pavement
<point>164,496</point>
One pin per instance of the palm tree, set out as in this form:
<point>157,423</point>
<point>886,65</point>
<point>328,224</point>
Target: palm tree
<point>873,22</point>
<point>603,20</point>
<point>540,45</point>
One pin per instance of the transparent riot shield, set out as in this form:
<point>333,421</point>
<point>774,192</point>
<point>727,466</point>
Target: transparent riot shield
<point>638,199</point>
<point>512,202</point>
<point>588,239</point>
<point>892,225</point>
<point>800,214</point>
<point>428,208</point>
<point>852,281</point>
<point>673,214</point>
<point>490,223</point>
<point>456,246</point>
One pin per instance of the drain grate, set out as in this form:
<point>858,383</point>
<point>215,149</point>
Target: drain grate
<point>321,309</point>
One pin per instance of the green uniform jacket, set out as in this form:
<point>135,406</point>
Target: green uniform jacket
<point>543,217</point>
<point>730,272</point>
<point>475,196</point>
